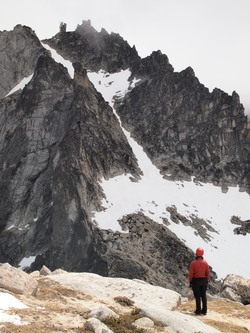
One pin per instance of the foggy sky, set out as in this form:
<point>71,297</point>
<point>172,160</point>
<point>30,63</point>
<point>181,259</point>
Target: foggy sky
<point>211,36</point>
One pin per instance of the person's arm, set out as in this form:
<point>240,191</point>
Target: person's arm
<point>208,273</point>
<point>191,272</point>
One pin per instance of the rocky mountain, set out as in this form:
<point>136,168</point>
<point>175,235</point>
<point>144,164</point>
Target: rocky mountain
<point>184,129</point>
<point>60,138</point>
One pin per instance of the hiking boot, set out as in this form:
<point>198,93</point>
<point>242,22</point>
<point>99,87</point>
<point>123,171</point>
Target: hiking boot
<point>197,312</point>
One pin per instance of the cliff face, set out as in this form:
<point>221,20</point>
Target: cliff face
<point>20,50</point>
<point>186,130</point>
<point>59,138</point>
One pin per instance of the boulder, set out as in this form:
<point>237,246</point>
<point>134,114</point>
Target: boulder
<point>45,271</point>
<point>144,322</point>
<point>35,274</point>
<point>17,281</point>
<point>59,271</point>
<point>236,288</point>
<point>141,293</point>
<point>95,325</point>
<point>178,322</point>
<point>102,312</point>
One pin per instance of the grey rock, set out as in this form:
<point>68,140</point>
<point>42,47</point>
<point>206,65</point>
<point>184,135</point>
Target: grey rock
<point>185,130</point>
<point>102,312</point>
<point>17,281</point>
<point>45,271</point>
<point>236,288</point>
<point>94,49</point>
<point>95,325</point>
<point>19,52</point>
<point>56,145</point>
<point>179,322</point>
<point>244,226</point>
<point>144,322</point>
<point>140,292</point>
<point>59,271</point>
<point>150,252</point>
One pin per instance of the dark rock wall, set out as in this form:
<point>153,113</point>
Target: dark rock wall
<point>94,50</point>
<point>19,52</point>
<point>58,138</point>
<point>186,130</point>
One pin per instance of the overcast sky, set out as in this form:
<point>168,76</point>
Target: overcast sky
<point>211,36</point>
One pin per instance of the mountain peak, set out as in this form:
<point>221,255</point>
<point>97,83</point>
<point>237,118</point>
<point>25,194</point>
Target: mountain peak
<point>125,165</point>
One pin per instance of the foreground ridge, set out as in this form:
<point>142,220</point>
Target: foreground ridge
<point>82,302</point>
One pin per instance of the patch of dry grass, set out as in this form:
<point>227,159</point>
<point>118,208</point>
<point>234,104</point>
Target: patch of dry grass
<point>123,324</point>
<point>226,316</point>
<point>49,289</point>
<point>124,301</point>
<point>54,309</point>
<point>227,327</point>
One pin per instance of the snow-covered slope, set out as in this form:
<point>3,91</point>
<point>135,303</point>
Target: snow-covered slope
<point>224,250</point>
<point>8,301</point>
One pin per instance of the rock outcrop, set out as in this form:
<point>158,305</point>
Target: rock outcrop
<point>58,138</point>
<point>186,130</point>
<point>243,226</point>
<point>94,50</point>
<point>147,251</point>
<point>17,281</point>
<point>236,288</point>
<point>20,50</point>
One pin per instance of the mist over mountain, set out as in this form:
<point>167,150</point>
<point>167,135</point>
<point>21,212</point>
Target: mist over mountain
<point>121,168</point>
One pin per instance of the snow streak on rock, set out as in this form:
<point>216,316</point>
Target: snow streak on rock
<point>20,85</point>
<point>58,58</point>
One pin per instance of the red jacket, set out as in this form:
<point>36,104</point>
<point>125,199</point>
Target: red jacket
<point>199,268</point>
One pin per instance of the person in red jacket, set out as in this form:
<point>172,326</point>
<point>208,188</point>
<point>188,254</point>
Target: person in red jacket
<point>199,274</point>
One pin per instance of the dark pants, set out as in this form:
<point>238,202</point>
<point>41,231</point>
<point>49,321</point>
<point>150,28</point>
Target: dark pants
<point>199,286</point>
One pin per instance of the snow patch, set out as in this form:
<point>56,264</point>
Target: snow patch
<point>112,85</point>
<point>7,302</point>
<point>26,262</point>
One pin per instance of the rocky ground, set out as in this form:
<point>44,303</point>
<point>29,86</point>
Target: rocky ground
<point>57,308</point>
